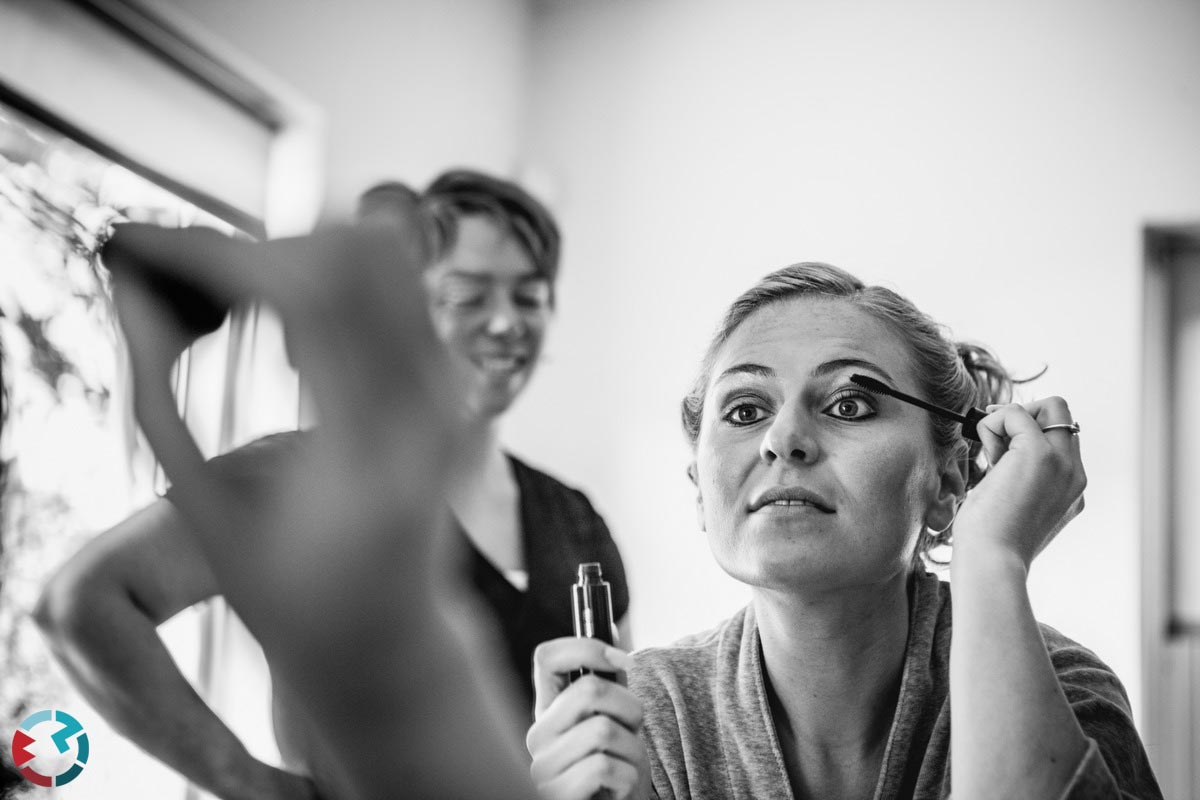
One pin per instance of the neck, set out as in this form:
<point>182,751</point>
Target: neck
<point>833,664</point>
<point>482,464</point>
<point>485,444</point>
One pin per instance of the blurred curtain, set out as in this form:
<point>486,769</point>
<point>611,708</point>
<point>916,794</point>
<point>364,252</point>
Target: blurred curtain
<point>110,109</point>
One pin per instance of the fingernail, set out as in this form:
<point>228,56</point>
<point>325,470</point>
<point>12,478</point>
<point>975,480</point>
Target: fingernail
<point>618,658</point>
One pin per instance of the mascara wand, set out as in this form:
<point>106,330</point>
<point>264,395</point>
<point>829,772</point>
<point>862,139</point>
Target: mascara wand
<point>969,421</point>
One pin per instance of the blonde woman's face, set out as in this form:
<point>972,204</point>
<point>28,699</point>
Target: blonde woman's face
<point>806,480</point>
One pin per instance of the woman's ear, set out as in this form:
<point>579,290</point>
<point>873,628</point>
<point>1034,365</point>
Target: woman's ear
<point>952,488</point>
<point>694,477</point>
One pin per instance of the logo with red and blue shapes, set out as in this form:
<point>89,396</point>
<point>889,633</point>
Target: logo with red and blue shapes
<point>59,748</point>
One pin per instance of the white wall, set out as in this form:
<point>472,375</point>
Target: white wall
<point>407,88</point>
<point>994,161</point>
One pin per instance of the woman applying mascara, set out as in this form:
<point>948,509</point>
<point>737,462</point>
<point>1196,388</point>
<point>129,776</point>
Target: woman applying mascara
<point>824,497</point>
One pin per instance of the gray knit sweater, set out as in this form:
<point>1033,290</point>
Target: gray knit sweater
<point>709,732</point>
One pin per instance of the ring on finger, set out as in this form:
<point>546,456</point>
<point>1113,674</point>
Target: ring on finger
<point>1069,427</point>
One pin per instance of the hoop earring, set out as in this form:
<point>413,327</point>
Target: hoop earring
<point>949,524</point>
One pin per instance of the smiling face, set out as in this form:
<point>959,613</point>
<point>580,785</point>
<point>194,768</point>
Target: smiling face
<point>490,307</point>
<point>805,480</point>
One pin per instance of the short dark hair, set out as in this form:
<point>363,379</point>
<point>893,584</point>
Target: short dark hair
<point>385,199</point>
<point>458,193</point>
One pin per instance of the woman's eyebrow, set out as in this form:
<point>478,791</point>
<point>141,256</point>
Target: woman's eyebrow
<point>757,370</point>
<point>466,277</point>
<point>486,279</point>
<point>839,364</point>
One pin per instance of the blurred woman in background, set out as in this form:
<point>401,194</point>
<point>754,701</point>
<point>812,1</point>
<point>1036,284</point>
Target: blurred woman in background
<point>490,272</point>
<point>491,295</point>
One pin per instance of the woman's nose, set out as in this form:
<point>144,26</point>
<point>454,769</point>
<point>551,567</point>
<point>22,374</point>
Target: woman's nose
<point>789,437</point>
<point>503,316</point>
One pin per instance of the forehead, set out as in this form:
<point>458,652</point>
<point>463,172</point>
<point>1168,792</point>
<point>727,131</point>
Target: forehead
<point>485,249</point>
<point>802,333</point>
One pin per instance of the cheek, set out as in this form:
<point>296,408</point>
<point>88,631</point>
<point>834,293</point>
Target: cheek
<point>449,329</point>
<point>899,488</point>
<point>916,503</point>
<point>535,327</point>
<point>721,477</point>
<point>920,493</point>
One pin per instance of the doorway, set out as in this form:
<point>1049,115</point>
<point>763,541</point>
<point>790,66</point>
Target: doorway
<point>1171,506</point>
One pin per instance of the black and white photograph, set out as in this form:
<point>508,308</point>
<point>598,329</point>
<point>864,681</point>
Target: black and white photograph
<point>599,400</point>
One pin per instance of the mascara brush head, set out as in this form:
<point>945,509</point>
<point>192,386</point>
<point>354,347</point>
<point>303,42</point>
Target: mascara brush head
<point>969,420</point>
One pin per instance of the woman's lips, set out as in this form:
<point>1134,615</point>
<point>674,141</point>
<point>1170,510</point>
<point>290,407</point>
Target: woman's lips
<point>500,364</point>
<point>789,497</point>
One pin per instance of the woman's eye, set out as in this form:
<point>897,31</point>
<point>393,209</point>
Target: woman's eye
<point>533,302</point>
<point>533,295</point>
<point>849,407</point>
<point>461,299</point>
<point>744,414</point>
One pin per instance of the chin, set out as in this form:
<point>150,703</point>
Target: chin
<point>486,409</point>
<point>490,404</point>
<point>814,569</point>
<point>497,396</point>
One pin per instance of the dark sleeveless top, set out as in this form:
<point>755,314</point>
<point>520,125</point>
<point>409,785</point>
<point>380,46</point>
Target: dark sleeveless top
<point>560,530</point>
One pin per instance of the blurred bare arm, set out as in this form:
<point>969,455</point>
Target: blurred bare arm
<point>100,614</point>
<point>339,577</point>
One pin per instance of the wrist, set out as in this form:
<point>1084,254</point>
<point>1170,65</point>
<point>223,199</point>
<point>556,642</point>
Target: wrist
<point>243,777</point>
<point>983,561</point>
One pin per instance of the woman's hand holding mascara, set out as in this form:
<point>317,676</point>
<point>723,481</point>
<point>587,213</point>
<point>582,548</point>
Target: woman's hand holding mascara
<point>1005,694</point>
<point>585,738</point>
<point>1033,489</point>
